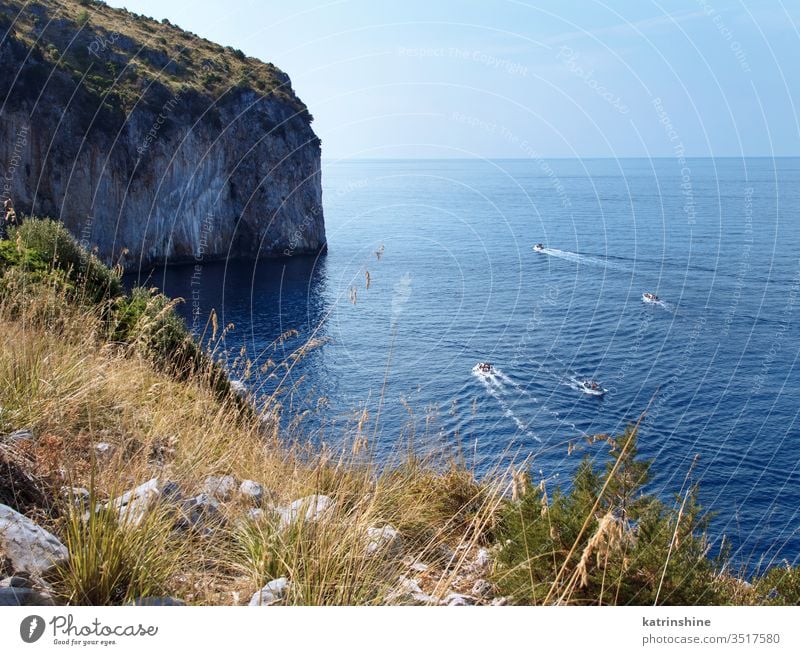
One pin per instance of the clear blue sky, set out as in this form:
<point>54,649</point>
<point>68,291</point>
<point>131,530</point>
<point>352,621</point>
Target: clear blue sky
<point>502,78</point>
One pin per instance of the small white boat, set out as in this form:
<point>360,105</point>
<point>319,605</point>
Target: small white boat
<point>591,387</point>
<point>538,247</point>
<point>650,297</point>
<point>485,368</point>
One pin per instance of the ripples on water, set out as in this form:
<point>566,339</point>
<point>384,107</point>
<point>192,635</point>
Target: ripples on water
<point>457,282</point>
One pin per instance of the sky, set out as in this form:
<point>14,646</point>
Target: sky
<point>534,78</point>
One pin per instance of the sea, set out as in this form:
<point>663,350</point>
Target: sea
<point>431,269</point>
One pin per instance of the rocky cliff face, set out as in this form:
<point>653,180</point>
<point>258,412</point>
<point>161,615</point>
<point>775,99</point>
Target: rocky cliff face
<point>156,153</point>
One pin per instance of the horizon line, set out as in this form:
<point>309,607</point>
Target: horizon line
<point>560,157</point>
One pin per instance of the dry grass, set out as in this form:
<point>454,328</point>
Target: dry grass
<point>61,379</point>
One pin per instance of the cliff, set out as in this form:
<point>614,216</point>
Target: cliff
<point>149,142</point>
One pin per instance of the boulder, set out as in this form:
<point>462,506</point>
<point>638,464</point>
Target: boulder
<point>158,601</point>
<point>483,558</point>
<point>18,596</point>
<point>103,451</point>
<point>271,593</point>
<point>458,600</point>
<point>201,511</point>
<point>255,514</point>
<point>78,496</point>
<point>311,508</point>
<point>251,491</point>
<point>238,387</point>
<point>386,539</point>
<point>15,581</point>
<point>133,505</point>
<point>220,487</point>
<point>482,588</point>
<point>27,546</point>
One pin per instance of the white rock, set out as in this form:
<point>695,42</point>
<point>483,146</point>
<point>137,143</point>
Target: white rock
<point>103,451</point>
<point>408,592</point>
<point>78,496</point>
<point>201,511</point>
<point>133,505</point>
<point>238,387</point>
<point>252,491</point>
<point>386,538</point>
<point>220,487</point>
<point>483,558</point>
<point>457,600</point>
<point>270,593</point>
<point>29,547</point>
<point>481,588</point>
<point>255,514</point>
<point>310,508</point>
<point>409,585</point>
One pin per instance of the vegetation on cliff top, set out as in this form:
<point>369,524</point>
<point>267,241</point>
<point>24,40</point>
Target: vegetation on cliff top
<point>83,362</point>
<point>128,58</point>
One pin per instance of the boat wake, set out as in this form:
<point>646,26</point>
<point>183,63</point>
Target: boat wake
<point>498,384</point>
<point>589,260</point>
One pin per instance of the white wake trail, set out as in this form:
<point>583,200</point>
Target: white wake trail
<point>584,259</point>
<point>493,383</point>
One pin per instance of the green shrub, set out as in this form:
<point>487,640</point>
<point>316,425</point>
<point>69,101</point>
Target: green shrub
<point>54,244</point>
<point>604,541</point>
<point>780,585</point>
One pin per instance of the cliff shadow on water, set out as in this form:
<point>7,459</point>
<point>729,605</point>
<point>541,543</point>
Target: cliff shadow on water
<point>264,310</point>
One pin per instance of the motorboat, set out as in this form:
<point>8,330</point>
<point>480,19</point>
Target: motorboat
<point>483,367</point>
<point>650,297</point>
<point>538,247</point>
<point>591,387</point>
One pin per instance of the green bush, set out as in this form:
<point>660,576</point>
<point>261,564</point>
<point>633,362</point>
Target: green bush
<point>54,244</point>
<point>604,541</point>
<point>780,585</point>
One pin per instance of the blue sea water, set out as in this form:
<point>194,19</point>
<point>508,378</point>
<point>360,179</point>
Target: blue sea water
<point>453,280</point>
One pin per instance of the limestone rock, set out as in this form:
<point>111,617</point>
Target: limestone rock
<point>271,593</point>
<point>255,514</point>
<point>457,600</point>
<point>19,596</point>
<point>29,547</point>
<point>220,487</point>
<point>483,558</point>
<point>158,601</point>
<point>311,508</point>
<point>78,496</point>
<point>15,581</point>
<point>251,491</point>
<point>386,539</point>
<point>202,511</point>
<point>482,588</point>
<point>133,505</point>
